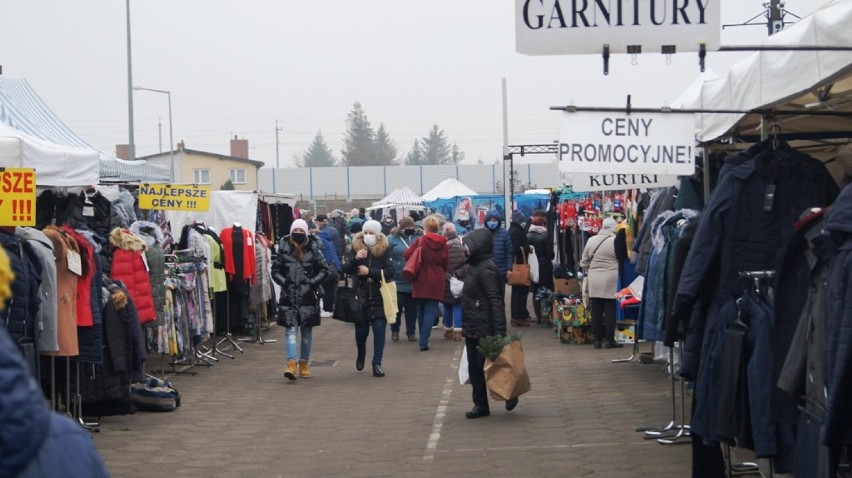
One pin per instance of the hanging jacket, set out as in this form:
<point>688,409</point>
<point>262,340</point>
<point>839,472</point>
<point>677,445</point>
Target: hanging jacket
<point>20,311</point>
<point>35,442</point>
<point>46,319</point>
<point>156,259</point>
<point>90,209</point>
<point>90,337</point>
<point>299,278</point>
<point>66,294</point>
<point>85,317</point>
<point>249,266</point>
<point>838,313</point>
<point>378,261</point>
<point>483,306</point>
<point>129,267</point>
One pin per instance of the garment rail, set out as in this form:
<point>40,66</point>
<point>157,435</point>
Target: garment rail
<point>674,430</point>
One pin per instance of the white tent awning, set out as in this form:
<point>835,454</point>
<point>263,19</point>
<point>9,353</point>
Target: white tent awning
<point>55,165</point>
<point>448,188</point>
<point>400,197</point>
<point>786,79</point>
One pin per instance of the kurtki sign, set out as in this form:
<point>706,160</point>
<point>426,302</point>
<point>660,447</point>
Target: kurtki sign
<point>558,27</point>
<point>657,143</point>
<point>581,183</point>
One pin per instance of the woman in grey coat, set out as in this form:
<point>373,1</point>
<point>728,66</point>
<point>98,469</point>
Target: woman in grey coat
<point>601,269</point>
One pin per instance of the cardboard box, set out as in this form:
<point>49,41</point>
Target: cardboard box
<point>625,333</point>
<point>567,286</point>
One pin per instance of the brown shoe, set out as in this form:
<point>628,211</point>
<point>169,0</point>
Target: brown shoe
<point>304,371</point>
<point>520,323</point>
<point>290,371</point>
<point>457,336</point>
<point>448,334</point>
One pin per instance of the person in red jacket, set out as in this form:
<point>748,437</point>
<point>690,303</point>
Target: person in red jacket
<point>427,287</point>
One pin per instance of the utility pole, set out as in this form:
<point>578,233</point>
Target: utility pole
<point>277,165</point>
<point>775,20</point>
<point>160,132</point>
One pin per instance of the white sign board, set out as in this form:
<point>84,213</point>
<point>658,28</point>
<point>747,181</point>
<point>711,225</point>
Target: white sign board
<point>612,143</point>
<point>559,27</point>
<point>582,183</point>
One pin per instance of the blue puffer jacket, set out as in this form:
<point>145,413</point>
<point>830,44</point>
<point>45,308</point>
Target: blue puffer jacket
<point>399,242</point>
<point>19,315</point>
<point>502,244</point>
<point>838,312</point>
<point>35,442</point>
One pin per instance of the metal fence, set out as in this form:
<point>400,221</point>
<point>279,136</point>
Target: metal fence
<point>376,182</point>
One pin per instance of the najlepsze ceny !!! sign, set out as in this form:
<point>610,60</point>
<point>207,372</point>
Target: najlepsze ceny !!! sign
<point>562,27</point>
<point>581,183</point>
<point>618,143</point>
<point>18,198</point>
<point>169,197</point>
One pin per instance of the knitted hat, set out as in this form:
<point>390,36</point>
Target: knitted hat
<point>373,226</point>
<point>609,224</point>
<point>299,224</point>
<point>406,223</point>
<point>354,212</point>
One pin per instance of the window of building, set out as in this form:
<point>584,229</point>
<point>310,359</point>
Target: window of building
<point>238,176</point>
<point>201,176</point>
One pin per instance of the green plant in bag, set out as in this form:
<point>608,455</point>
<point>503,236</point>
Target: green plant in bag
<point>491,346</point>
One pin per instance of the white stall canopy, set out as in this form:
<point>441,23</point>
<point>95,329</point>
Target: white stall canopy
<point>448,188</point>
<point>806,81</point>
<point>55,165</point>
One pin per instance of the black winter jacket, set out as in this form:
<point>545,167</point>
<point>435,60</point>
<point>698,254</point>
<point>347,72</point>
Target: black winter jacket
<point>20,311</point>
<point>378,260</point>
<point>299,279</point>
<point>483,308</point>
<point>544,252</point>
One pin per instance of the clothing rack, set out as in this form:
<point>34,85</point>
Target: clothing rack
<point>674,431</point>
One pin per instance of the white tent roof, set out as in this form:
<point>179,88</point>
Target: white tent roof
<point>401,196</point>
<point>448,188</point>
<point>22,109</point>
<point>54,164</point>
<point>786,80</point>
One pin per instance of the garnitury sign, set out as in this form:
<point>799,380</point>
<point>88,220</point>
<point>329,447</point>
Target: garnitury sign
<point>559,27</point>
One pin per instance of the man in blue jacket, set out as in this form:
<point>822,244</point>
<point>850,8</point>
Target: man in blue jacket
<point>502,243</point>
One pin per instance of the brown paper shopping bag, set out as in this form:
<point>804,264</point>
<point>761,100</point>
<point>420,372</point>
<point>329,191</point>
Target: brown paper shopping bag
<point>506,377</point>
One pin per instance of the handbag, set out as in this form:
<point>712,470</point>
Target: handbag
<point>348,306</point>
<point>154,395</point>
<point>412,265</point>
<point>532,259</point>
<point>388,293</point>
<point>520,274</point>
<point>456,286</point>
<point>464,372</point>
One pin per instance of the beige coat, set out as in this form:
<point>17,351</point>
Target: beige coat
<point>601,265</point>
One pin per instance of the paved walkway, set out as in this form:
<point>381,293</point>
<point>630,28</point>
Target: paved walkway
<point>242,418</point>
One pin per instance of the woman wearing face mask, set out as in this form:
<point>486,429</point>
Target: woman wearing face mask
<point>400,239</point>
<point>299,268</point>
<point>367,261</point>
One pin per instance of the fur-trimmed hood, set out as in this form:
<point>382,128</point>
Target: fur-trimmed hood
<point>149,232</point>
<point>378,250</point>
<point>126,240</point>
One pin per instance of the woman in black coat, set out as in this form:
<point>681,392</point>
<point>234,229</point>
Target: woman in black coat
<point>520,254</point>
<point>540,241</point>
<point>370,257</point>
<point>299,268</point>
<point>483,312</point>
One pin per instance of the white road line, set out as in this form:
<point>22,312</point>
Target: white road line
<point>441,412</point>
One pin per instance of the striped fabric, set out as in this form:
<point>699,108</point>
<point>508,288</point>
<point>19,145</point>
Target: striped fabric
<point>22,109</point>
<point>402,195</point>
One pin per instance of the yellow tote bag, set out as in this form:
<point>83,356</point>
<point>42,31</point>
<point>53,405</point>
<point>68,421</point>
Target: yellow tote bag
<point>388,291</point>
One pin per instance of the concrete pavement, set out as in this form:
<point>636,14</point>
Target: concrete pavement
<point>242,418</point>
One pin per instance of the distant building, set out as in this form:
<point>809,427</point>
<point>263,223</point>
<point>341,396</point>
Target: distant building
<point>213,169</point>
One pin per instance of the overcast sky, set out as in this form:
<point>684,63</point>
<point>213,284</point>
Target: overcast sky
<point>234,67</point>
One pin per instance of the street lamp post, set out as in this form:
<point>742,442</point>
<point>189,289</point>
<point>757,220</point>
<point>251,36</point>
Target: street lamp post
<point>171,135</point>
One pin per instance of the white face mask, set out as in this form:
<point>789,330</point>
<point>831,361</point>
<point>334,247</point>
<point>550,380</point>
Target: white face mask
<point>370,240</point>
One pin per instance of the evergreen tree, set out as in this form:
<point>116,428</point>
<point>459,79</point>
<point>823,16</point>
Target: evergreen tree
<point>318,155</point>
<point>415,155</point>
<point>227,186</point>
<point>358,143</point>
<point>457,156</point>
<point>386,151</point>
<point>436,149</point>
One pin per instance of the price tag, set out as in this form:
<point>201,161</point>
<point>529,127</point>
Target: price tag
<point>88,211</point>
<point>249,241</point>
<point>145,261</point>
<point>75,264</point>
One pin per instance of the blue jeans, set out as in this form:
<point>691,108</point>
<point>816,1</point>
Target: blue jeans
<point>452,316</point>
<point>427,309</point>
<point>408,311</point>
<point>362,331</point>
<point>290,342</point>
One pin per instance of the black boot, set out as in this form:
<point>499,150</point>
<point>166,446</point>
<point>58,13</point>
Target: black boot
<point>377,370</point>
<point>359,361</point>
<point>511,404</point>
<point>477,412</point>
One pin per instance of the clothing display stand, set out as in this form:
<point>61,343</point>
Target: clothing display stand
<point>215,350</point>
<point>228,336</point>
<point>93,427</point>
<point>673,429</point>
<point>738,469</point>
<point>635,350</point>
<point>258,335</point>
<point>683,432</point>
